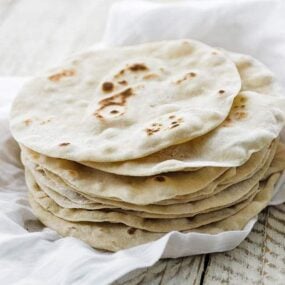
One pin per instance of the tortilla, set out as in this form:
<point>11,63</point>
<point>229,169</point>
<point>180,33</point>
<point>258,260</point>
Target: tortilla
<point>123,103</point>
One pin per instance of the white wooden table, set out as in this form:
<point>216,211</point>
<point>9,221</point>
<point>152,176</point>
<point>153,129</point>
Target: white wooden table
<point>36,34</point>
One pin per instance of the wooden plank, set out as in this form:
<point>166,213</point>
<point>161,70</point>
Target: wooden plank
<point>187,270</point>
<point>260,259</point>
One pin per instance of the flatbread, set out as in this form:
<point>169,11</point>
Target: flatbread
<point>257,161</point>
<point>221,200</point>
<point>114,237</point>
<point>123,103</point>
<point>255,76</point>
<point>152,225</point>
<point>239,220</point>
<point>278,163</point>
<point>254,121</point>
<point>231,176</point>
<point>135,190</point>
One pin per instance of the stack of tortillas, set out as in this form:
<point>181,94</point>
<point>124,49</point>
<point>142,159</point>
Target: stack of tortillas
<point>122,145</point>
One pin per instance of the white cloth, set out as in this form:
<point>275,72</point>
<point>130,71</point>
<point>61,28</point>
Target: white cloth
<point>31,254</point>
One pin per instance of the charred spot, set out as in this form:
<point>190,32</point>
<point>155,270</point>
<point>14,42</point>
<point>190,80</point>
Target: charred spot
<point>45,122</point>
<point>174,126</point>
<point>156,125</point>
<point>242,106</point>
<point>222,91</point>
<point>138,67</point>
<point>160,178</point>
<point>187,76</point>
<point>171,117</point>
<point>119,99</point>
<point>27,122</point>
<point>98,115</point>
<point>64,144</point>
<point>176,123</point>
<point>114,112</point>
<point>151,76</point>
<point>131,231</point>
<point>242,99</point>
<point>151,131</point>
<point>120,73</point>
<point>123,82</point>
<point>64,73</point>
<point>240,115</point>
<point>227,122</point>
<point>107,86</point>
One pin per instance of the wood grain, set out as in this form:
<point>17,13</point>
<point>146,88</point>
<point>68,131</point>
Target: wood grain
<point>260,259</point>
<point>169,271</point>
<point>37,34</point>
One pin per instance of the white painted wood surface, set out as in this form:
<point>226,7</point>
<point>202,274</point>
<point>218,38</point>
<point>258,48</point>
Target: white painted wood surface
<point>36,34</point>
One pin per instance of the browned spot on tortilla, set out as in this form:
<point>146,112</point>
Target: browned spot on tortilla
<point>114,112</point>
<point>240,115</point>
<point>171,117</point>
<point>151,76</point>
<point>138,67</point>
<point>174,126</point>
<point>107,86</point>
<point>176,123</point>
<point>151,131</point>
<point>64,73</point>
<point>133,67</point>
<point>156,124</point>
<point>64,144</point>
<point>242,99</point>
<point>186,76</point>
<point>45,122</point>
<point>27,122</point>
<point>159,178</point>
<point>222,91</point>
<point>123,82</point>
<point>227,122</point>
<point>119,99</point>
<point>242,106</point>
<point>98,115</point>
<point>131,231</point>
